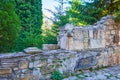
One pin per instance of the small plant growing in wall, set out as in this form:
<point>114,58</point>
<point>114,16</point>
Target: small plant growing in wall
<point>56,75</point>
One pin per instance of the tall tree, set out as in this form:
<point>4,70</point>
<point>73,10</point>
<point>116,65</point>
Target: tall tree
<point>59,14</point>
<point>75,13</point>
<point>59,18</point>
<point>9,25</point>
<point>91,12</point>
<point>30,13</point>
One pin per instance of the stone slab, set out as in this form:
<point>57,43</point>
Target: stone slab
<point>50,46</point>
<point>32,50</point>
<point>85,63</point>
<point>23,64</point>
<point>4,71</point>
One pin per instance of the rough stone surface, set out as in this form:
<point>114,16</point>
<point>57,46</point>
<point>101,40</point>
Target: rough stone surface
<point>32,50</point>
<point>86,62</point>
<point>73,78</point>
<point>109,73</point>
<point>50,46</point>
<point>103,33</point>
<point>41,64</point>
<point>23,64</point>
<point>4,71</point>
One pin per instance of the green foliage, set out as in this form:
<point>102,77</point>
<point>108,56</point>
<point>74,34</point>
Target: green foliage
<point>9,25</point>
<point>59,19</point>
<point>29,40</point>
<point>80,14</point>
<point>74,13</point>
<point>49,37</point>
<point>56,75</point>
<point>117,14</point>
<point>89,13</point>
<point>30,13</point>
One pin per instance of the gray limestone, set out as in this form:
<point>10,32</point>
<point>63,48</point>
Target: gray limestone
<point>32,50</point>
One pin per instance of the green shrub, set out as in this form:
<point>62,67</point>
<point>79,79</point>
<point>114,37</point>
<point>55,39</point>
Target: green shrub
<point>56,75</point>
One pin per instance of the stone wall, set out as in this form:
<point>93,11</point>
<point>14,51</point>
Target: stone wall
<point>100,35</point>
<point>33,65</point>
<point>80,48</point>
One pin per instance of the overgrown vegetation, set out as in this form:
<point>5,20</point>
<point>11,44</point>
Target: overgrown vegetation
<point>56,75</point>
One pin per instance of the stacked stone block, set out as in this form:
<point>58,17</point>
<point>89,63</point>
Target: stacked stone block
<point>102,34</point>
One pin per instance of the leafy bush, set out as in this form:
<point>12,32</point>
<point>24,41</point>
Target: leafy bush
<point>56,75</point>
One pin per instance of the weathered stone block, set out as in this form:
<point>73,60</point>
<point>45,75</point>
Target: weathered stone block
<point>105,59</point>
<point>113,32</point>
<point>85,63</point>
<point>7,65</point>
<point>96,43</point>
<point>37,57</point>
<point>111,59</point>
<point>119,37</point>
<point>68,64</point>
<point>63,42</point>
<point>36,74</point>
<point>117,50</point>
<point>36,63</point>
<point>78,33</point>
<point>50,46</point>
<point>31,65</point>
<point>70,42</point>
<point>23,64</point>
<point>85,33</point>
<point>91,33</point>
<point>78,45</point>
<point>26,78</point>
<point>43,63</point>
<point>118,58</point>
<point>86,45</point>
<point>32,50</point>
<point>4,71</point>
<point>86,40</point>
